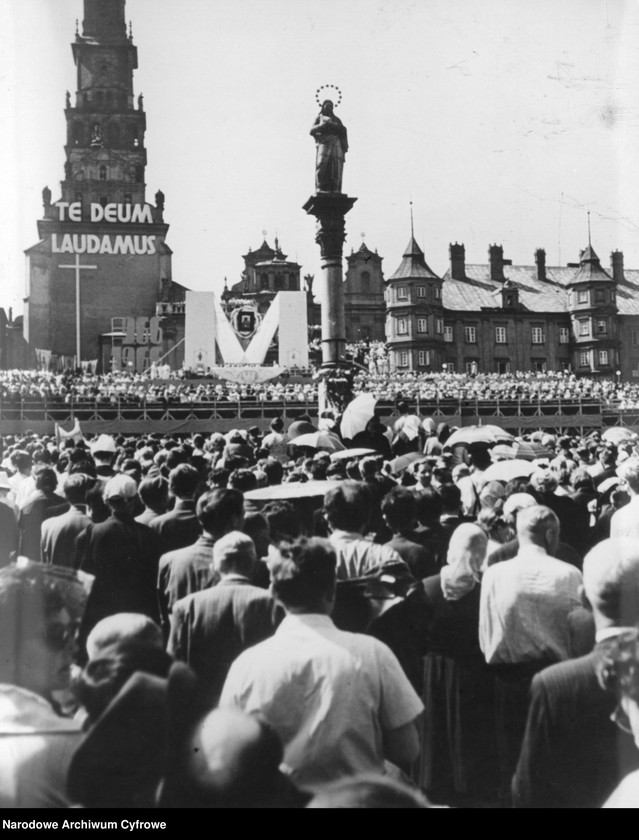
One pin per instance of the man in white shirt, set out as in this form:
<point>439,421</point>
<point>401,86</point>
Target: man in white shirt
<point>524,623</point>
<point>347,508</point>
<point>625,522</point>
<point>339,701</point>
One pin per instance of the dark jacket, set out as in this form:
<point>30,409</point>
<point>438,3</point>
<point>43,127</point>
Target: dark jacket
<point>573,755</point>
<point>177,528</point>
<point>184,572</point>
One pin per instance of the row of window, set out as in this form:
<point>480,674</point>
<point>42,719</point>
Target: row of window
<point>601,295</point>
<point>501,365</point>
<point>422,326</point>
<point>538,336</point>
<point>402,292</point>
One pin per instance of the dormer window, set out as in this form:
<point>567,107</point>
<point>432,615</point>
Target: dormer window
<point>437,293</point>
<point>402,293</point>
<point>582,296</point>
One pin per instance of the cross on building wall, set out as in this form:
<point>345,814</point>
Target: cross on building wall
<point>78,267</point>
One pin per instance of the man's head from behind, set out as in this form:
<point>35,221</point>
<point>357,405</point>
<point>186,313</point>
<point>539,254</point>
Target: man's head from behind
<point>611,582</point>
<point>539,526</point>
<point>120,493</point>
<point>76,487</point>
<point>183,481</point>
<point>303,575</point>
<point>220,511</point>
<point>347,506</point>
<point>234,553</point>
<point>398,508</point>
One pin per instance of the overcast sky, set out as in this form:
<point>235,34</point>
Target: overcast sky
<point>503,120</point>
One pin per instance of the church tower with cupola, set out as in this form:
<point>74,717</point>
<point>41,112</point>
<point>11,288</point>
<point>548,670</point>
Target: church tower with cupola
<point>101,267</point>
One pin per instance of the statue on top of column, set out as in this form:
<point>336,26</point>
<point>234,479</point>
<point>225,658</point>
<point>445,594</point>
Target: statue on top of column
<point>332,144</point>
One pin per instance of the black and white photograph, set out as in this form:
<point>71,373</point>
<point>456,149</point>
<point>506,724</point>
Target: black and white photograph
<point>319,407</point>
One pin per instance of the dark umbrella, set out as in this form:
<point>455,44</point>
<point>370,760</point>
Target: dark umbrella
<point>300,427</point>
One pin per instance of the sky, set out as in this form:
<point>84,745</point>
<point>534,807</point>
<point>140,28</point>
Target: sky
<point>502,121</point>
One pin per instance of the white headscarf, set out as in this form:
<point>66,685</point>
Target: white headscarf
<point>466,552</point>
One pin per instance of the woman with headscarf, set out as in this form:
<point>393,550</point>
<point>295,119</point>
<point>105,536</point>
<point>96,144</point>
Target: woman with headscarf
<point>458,763</point>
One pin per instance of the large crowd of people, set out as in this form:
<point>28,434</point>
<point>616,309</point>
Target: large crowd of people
<point>404,619</point>
<point>139,388</point>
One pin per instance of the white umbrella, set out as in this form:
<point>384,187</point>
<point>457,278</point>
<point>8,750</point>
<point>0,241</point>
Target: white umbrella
<point>507,470</point>
<point>357,414</point>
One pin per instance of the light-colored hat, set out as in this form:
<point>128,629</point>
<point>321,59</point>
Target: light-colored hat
<point>4,481</point>
<point>105,443</point>
<point>120,487</point>
<point>517,502</point>
<point>232,547</point>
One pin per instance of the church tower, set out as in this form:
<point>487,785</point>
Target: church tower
<point>102,264</point>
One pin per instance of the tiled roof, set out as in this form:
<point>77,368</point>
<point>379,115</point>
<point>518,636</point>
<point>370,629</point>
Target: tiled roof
<point>549,295</point>
<point>413,264</point>
<point>478,290</point>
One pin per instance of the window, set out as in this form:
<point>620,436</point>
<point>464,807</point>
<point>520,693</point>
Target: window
<point>564,335</point>
<point>471,367</point>
<point>448,333</point>
<point>421,291</point>
<point>634,338</point>
<point>263,281</point>
<point>500,335</point>
<point>582,296</point>
<point>439,326</point>
<point>365,279</point>
<point>584,326</point>
<point>104,201</point>
<point>424,358</point>
<point>583,359</point>
<point>538,365</point>
<point>602,327</point>
<point>422,325</point>
<point>470,335</point>
<point>502,366</point>
<point>103,173</point>
<point>403,359</point>
<point>603,357</point>
<point>448,367</point>
<point>437,293</point>
<point>600,295</point>
<point>402,326</point>
<point>127,198</point>
<point>538,335</point>
<point>402,293</point>
<point>612,296</point>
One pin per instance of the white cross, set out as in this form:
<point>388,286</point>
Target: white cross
<point>78,268</point>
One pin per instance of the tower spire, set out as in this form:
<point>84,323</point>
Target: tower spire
<point>412,231</point>
<point>589,242</point>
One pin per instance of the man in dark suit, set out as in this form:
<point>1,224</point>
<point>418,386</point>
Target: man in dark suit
<point>8,525</point>
<point>36,510</point>
<point>210,629</point>
<point>398,509</point>
<point>190,569</point>
<point>59,533</point>
<point>573,755</point>
<point>123,555</point>
<point>179,527</point>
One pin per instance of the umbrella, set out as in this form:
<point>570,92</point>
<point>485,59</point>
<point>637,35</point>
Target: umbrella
<point>507,470</point>
<point>359,452</point>
<point>403,461</point>
<point>502,452</point>
<point>479,434</point>
<point>617,434</point>
<point>319,440</point>
<point>292,490</point>
<point>530,451</point>
<point>357,414</point>
<point>300,427</point>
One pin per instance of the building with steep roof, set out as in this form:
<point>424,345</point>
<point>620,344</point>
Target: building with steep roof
<point>499,317</point>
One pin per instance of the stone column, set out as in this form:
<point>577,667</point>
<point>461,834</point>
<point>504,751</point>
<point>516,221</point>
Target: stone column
<point>330,209</point>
